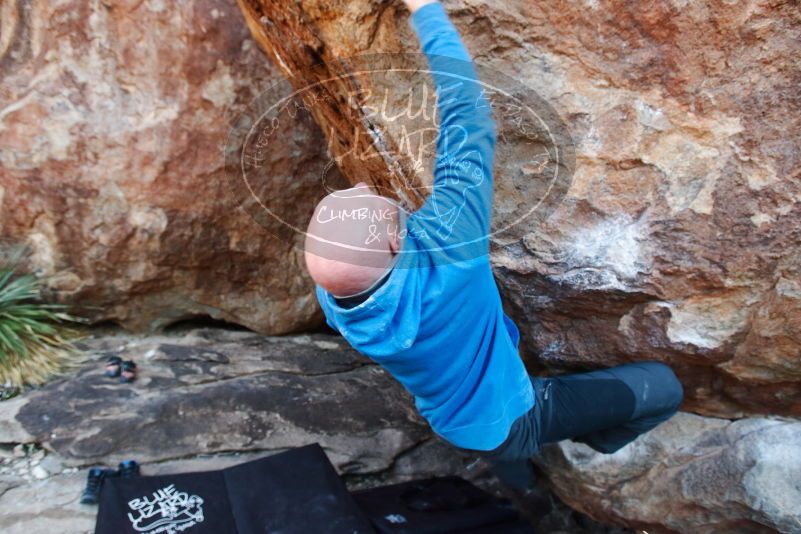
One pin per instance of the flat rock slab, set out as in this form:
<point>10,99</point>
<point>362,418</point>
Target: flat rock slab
<point>211,391</point>
<point>47,506</point>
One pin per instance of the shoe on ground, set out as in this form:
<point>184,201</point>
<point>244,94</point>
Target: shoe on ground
<point>128,371</point>
<point>94,481</point>
<point>128,469</point>
<point>113,366</point>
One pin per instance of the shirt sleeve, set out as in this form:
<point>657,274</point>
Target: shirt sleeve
<point>458,212</point>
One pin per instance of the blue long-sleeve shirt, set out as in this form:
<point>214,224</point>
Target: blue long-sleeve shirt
<point>436,324</point>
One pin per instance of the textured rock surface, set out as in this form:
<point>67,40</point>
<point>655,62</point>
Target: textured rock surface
<point>113,118</point>
<point>47,506</point>
<point>677,239</point>
<point>214,391</point>
<point>690,474</point>
<point>207,399</point>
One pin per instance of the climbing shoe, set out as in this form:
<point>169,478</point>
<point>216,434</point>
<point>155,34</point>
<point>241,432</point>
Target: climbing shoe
<point>94,480</point>
<point>113,366</point>
<point>128,371</point>
<point>128,469</point>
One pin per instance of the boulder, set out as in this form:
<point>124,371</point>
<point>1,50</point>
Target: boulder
<point>113,121</point>
<point>211,391</point>
<point>690,474</point>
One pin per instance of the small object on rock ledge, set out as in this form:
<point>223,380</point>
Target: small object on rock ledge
<point>113,365</point>
<point>128,371</point>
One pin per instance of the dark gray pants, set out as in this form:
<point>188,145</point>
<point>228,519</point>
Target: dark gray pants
<point>605,409</point>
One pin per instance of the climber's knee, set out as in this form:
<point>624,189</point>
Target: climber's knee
<point>656,388</point>
<point>667,388</point>
<point>674,391</point>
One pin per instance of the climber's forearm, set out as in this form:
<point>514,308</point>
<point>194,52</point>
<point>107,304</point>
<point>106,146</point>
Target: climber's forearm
<point>414,5</point>
<point>462,196</point>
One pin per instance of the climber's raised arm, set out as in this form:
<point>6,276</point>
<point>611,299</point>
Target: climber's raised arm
<point>459,208</point>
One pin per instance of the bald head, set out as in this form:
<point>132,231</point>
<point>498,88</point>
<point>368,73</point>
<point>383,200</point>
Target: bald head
<point>351,240</point>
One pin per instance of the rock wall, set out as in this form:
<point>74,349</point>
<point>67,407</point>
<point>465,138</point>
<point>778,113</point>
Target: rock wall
<point>113,119</point>
<point>677,238</point>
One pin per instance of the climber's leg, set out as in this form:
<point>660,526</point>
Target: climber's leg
<point>606,409</point>
<point>511,461</point>
<point>609,408</point>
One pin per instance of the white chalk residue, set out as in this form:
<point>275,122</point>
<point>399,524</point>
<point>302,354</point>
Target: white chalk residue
<point>148,219</point>
<point>606,256</point>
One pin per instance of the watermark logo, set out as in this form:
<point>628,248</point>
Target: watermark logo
<point>431,141</point>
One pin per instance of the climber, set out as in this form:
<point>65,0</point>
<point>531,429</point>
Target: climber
<point>415,292</point>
